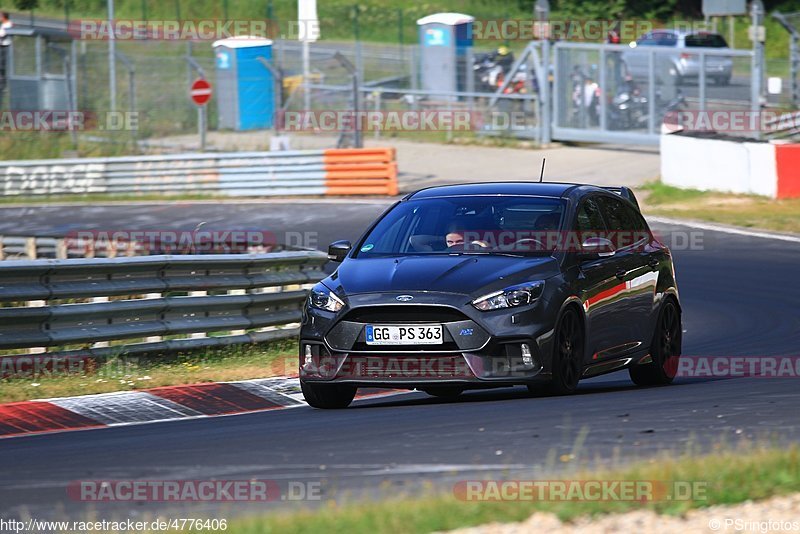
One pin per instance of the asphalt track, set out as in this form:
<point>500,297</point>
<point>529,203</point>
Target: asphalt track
<point>739,296</point>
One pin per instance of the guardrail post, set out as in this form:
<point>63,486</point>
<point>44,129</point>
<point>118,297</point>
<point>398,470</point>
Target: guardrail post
<point>237,292</point>
<point>100,344</point>
<point>153,339</point>
<point>89,249</point>
<point>197,335</point>
<point>30,248</point>
<point>61,249</point>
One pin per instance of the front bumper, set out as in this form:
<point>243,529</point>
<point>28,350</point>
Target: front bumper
<point>502,347</point>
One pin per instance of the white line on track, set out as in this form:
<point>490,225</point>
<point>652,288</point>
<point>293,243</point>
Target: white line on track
<point>725,229</point>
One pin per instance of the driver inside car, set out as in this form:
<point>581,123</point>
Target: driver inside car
<point>455,241</point>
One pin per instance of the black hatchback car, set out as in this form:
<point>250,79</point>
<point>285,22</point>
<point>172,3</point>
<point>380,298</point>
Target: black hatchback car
<point>497,284</point>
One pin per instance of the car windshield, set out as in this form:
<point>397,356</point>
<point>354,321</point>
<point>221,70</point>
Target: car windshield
<point>705,40</point>
<point>467,225</point>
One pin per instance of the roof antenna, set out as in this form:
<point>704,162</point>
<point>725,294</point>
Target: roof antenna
<point>541,175</point>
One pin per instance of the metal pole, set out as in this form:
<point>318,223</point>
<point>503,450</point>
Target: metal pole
<point>306,72</point>
<point>701,81</point>
<point>357,36</point>
<point>794,59</point>
<point>603,88</point>
<point>376,95</point>
<point>112,53</point>
<point>357,123</point>
<point>350,68</point>
<point>651,91</point>
<point>400,31</point>
<point>70,103</point>
<point>201,126</point>
<point>731,31</point>
<point>132,99</point>
<point>756,79</point>
<point>542,14</point>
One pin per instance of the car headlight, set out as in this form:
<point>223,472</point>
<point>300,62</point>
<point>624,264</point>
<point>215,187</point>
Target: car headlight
<point>510,297</point>
<point>322,298</point>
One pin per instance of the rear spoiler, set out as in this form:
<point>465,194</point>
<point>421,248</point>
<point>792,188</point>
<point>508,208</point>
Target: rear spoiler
<point>626,193</point>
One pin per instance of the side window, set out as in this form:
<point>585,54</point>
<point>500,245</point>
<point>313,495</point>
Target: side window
<point>589,218</point>
<point>617,219</point>
<point>624,221</point>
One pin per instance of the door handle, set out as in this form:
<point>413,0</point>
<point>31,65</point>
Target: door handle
<point>621,274</point>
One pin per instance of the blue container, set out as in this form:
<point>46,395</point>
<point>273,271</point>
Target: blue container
<point>445,39</point>
<point>245,91</point>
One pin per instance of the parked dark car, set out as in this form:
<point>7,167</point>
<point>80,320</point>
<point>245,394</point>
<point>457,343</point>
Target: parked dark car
<point>496,284</point>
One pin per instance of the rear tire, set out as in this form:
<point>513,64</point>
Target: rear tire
<point>328,396</point>
<point>567,354</point>
<point>665,350</point>
<point>444,392</point>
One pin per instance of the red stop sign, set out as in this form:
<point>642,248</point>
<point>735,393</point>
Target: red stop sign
<point>200,92</point>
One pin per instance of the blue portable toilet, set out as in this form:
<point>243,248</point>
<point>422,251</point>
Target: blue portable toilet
<point>445,40</point>
<point>245,91</point>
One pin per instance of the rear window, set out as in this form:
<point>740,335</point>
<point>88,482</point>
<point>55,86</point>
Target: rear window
<point>705,40</point>
<point>658,39</point>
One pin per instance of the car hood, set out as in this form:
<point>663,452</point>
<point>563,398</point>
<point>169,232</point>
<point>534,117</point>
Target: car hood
<point>472,275</point>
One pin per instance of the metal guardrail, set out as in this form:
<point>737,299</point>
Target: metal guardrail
<point>83,247</point>
<point>300,172</point>
<point>77,306</point>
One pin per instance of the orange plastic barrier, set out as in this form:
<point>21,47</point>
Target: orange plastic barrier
<point>361,171</point>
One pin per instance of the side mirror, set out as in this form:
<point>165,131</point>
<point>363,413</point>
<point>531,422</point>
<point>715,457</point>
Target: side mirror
<point>596,247</point>
<point>338,250</point>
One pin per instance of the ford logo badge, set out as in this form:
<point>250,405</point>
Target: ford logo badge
<point>404,298</point>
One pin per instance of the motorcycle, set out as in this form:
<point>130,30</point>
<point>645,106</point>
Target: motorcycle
<point>630,108</point>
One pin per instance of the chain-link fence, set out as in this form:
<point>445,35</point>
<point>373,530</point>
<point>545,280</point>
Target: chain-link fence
<point>598,92</point>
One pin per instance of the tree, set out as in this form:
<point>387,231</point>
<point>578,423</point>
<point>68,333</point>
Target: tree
<point>26,5</point>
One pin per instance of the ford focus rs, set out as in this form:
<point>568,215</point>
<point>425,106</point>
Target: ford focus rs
<point>498,284</point>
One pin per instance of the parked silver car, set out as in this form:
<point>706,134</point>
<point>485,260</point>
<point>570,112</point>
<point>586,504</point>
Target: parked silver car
<point>685,62</point>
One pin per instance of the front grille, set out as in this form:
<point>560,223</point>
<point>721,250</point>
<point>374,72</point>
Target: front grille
<point>447,346</point>
<point>429,366</point>
<point>409,314</point>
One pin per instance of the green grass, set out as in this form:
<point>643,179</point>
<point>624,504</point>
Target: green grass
<point>731,476</point>
<point>659,193</point>
<point>46,145</point>
<point>137,372</point>
<point>749,211</point>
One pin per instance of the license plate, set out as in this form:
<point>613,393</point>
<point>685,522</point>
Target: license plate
<point>404,334</point>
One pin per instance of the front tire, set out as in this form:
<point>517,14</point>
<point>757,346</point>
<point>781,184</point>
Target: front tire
<point>567,354</point>
<point>328,396</point>
<point>665,350</point>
